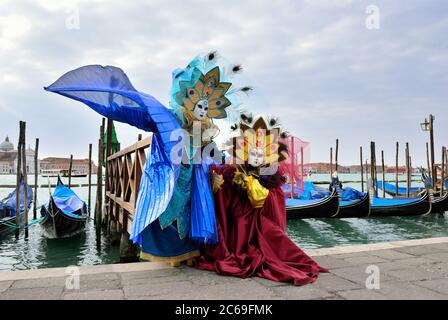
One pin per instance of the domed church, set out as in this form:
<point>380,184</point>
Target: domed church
<point>8,158</point>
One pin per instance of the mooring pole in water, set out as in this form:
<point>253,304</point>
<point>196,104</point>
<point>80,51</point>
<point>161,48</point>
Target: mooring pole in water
<point>331,162</point>
<point>375,173</point>
<point>90,178</point>
<point>25,179</point>
<point>431,141</point>
<point>446,161</point>
<point>362,170</point>
<point>108,153</point>
<point>19,169</point>
<point>98,184</point>
<point>396,169</point>
<point>384,175</point>
<point>36,174</point>
<point>371,163</point>
<point>446,158</point>
<point>373,167</point>
<point>443,172</point>
<point>336,155</point>
<point>427,160</point>
<point>99,194</point>
<point>293,165</point>
<point>408,183</point>
<point>301,165</point>
<point>70,172</point>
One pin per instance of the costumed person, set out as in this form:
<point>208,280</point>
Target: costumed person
<point>251,213</point>
<point>335,182</point>
<point>174,212</point>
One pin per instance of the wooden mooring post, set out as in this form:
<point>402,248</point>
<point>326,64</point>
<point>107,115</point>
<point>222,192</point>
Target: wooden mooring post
<point>383,173</point>
<point>18,178</point>
<point>108,152</point>
<point>89,197</point>
<point>373,173</point>
<point>70,172</point>
<point>25,179</point>
<point>375,168</point>
<point>293,162</point>
<point>336,155</point>
<point>396,168</point>
<point>99,190</point>
<point>125,169</point>
<point>443,172</point>
<point>362,169</point>
<point>408,182</point>
<point>302,172</point>
<point>36,176</point>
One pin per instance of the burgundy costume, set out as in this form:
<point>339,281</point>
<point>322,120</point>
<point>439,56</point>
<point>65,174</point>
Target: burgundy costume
<point>253,242</point>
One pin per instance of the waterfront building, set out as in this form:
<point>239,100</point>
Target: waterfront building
<point>56,165</point>
<point>8,158</point>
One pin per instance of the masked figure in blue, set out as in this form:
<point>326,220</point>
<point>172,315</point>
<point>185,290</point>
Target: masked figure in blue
<point>174,213</point>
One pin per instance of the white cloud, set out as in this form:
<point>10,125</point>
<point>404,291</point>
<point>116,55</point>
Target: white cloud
<point>12,28</point>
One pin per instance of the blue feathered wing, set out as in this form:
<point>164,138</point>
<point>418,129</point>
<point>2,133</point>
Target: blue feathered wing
<point>108,91</point>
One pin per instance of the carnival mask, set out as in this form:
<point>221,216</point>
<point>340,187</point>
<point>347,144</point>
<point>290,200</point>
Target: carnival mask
<point>256,157</point>
<point>200,109</point>
<point>258,142</point>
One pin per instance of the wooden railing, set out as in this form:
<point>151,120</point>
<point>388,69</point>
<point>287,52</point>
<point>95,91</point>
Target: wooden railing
<point>124,171</point>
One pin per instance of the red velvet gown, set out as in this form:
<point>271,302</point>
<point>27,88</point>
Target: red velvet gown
<point>253,242</point>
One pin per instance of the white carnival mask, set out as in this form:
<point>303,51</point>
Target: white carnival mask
<point>256,157</point>
<point>200,109</point>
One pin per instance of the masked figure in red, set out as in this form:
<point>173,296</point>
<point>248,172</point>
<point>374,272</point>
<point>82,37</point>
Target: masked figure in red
<point>251,213</point>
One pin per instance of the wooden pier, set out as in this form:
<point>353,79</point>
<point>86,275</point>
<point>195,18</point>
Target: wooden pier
<point>124,171</point>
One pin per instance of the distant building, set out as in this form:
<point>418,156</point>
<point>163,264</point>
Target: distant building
<point>8,158</point>
<point>54,164</point>
<point>322,167</point>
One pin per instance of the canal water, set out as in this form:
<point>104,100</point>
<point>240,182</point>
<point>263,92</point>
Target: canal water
<point>84,249</point>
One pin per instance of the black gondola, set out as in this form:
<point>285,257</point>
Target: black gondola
<point>390,189</point>
<point>401,206</point>
<point>440,204</point>
<point>8,209</point>
<point>65,214</point>
<point>327,207</point>
<point>355,209</point>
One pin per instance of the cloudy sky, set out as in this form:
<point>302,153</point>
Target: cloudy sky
<point>329,69</point>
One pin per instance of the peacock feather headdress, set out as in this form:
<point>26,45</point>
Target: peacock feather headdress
<point>207,81</point>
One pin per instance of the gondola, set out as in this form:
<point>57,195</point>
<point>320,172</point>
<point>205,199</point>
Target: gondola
<point>440,204</point>
<point>391,190</point>
<point>355,208</point>
<point>75,174</point>
<point>64,215</point>
<point>327,207</point>
<point>8,208</point>
<point>401,206</point>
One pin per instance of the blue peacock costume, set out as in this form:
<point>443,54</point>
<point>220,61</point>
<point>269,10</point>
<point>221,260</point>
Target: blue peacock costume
<point>174,212</point>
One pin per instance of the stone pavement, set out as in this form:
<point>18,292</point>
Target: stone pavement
<point>415,269</point>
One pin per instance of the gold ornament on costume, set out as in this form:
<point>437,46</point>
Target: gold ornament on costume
<point>260,137</point>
